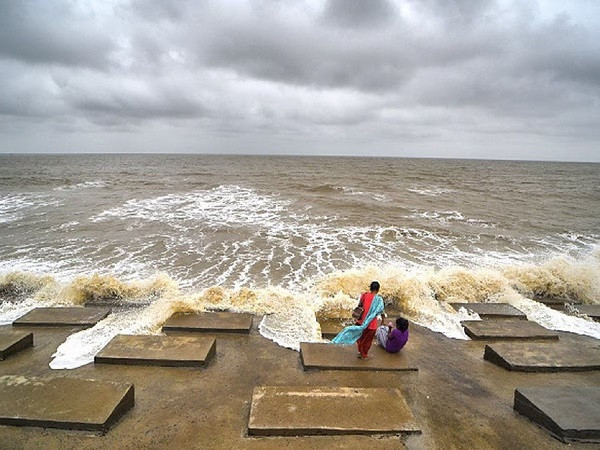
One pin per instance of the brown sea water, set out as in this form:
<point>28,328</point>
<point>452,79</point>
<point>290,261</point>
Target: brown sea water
<point>293,236</point>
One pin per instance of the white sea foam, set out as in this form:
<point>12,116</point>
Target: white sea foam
<point>15,206</point>
<point>83,185</point>
<point>422,294</point>
<point>430,191</point>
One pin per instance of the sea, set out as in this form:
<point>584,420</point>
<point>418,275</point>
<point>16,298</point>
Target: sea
<point>293,238</point>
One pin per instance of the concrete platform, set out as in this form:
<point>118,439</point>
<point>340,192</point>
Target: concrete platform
<point>592,311</point>
<point>68,403</point>
<point>331,327</point>
<point>503,329</point>
<point>344,357</point>
<point>492,310</point>
<point>556,302</point>
<point>543,357</point>
<point>308,410</point>
<point>62,317</point>
<point>14,341</point>
<point>151,350</point>
<point>223,322</point>
<point>569,413</point>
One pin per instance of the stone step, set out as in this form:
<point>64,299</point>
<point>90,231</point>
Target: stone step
<point>504,329</point>
<point>63,317</point>
<point>152,350</point>
<point>592,311</point>
<point>492,310</point>
<point>223,322</point>
<point>68,403</point>
<point>543,357</point>
<point>310,410</point>
<point>569,413</point>
<point>331,327</point>
<point>556,302</point>
<point>326,356</point>
<point>13,342</point>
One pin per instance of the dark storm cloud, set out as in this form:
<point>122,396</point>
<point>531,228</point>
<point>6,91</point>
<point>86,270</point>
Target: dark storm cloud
<point>358,13</point>
<point>41,32</point>
<point>437,71</point>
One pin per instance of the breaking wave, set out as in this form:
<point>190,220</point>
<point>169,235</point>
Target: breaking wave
<point>291,315</point>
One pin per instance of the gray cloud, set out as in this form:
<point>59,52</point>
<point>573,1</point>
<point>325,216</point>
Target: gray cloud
<point>359,14</point>
<point>401,74</point>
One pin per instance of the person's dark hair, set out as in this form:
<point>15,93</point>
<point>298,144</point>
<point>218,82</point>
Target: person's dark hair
<point>374,286</point>
<point>402,324</point>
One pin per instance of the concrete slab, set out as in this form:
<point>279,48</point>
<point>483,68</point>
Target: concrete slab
<point>308,410</point>
<point>62,317</point>
<point>176,351</point>
<point>556,302</point>
<point>326,356</point>
<point>492,310</point>
<point>592,311</point>
<point>503,329</point>
<point>569,413</point>
<point>14,341</point>
<point>223,322</point>
<point>331,327</point>
<point>68,403</point>
<point>543,357</point>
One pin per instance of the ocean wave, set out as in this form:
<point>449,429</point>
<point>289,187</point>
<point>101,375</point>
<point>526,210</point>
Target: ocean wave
<point>430,191</point>
<point>290,316</point>
<point>14,207</point>
<point>83,185</point>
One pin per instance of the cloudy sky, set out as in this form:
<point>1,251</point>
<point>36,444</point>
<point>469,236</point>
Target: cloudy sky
<point>464,78</point>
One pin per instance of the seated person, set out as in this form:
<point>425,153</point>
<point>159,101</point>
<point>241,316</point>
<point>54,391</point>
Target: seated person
<point>393,339</point>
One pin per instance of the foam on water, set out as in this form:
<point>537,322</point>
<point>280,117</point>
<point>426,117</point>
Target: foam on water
<point>290,316</point>
<point>14,206</point>
<point>83,185</point>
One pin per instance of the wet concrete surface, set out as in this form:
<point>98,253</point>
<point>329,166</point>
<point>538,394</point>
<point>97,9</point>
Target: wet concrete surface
<point>62,316</point>
<point>544,357</point>
<point>222,322</point>
<point>324,356</point>
<point>319,410</point>
<point>458,399</point>
<point>507,329</point>
<point>63,402</point>
<point>492,310</point>
<point>150,350</point>
<point>13,341</point>
<point>570,413</point>
<point>592,311</point>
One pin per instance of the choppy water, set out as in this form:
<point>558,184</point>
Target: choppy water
<point>293,237</point>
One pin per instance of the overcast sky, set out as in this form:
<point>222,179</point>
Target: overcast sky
<point>464,78</point>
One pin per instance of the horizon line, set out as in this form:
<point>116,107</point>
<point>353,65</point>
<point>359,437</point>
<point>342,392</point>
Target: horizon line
<point>464,158</point>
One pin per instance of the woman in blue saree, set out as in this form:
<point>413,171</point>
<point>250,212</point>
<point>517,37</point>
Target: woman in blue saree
<point>364,331</point>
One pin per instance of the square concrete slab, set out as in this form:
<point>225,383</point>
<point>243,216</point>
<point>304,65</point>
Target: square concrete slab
<point>331,327</point>
<point>592,311</point>
<point>177,351</point>
<point>556,302</point>
<point>308,410</point>
<point>543,357</point>
<point>224,322</point>
<point>13,342</point>
<point>503,329</point>
<point>492,310</point>
<point>344,357</point>
<point>569,413</point>
<point>68,403</point>
<point>62,317</point>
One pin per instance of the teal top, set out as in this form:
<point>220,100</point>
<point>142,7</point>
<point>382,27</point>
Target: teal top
<point>350,335</point>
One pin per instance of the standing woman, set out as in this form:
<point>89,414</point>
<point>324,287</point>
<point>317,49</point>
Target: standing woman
<point>366,338</point>
<point>363,332</point>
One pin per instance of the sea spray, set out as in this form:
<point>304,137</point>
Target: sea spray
<point>290,316</point>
